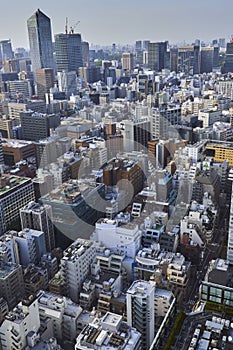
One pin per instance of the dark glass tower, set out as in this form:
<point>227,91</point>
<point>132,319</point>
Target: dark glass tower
<point>156,55</point>
<point>228,65</point>
<point>68,48</point>
<point>40,41</point>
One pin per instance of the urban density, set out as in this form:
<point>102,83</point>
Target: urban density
<point>116,197</point>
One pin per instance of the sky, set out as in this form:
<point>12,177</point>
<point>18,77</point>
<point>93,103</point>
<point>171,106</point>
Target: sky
<point>105,22</point>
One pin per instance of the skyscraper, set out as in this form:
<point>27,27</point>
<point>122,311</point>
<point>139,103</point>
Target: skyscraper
<point>207,56</point>
<point>40,40</point>
<point>6,52</point>
<point>228,65</point>
<point>156,55</point>
<point>68,48</point>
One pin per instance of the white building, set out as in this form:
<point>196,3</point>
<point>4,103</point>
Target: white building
<point>61,313</point>
<point>125,239</point>
<point>18,323</point>
<point>140,310</point>
<point>75,265</point>
<point>209,117</point>
<point>108,333</point>
<point>67,82</point>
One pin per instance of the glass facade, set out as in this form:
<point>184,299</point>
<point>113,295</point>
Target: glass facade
<point>68,48</point>
<point>40,41</point>
<point>216,293</point>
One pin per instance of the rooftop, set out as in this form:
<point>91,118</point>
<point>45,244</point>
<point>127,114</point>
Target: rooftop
<point>9,182</point>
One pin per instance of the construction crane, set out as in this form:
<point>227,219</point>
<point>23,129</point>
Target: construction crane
<point>73,27</point>
<point>66,26</point>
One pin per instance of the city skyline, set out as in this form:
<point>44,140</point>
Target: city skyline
<point>105,23</point>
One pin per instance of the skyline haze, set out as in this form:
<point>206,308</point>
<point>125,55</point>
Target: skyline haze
<point>104,22</point>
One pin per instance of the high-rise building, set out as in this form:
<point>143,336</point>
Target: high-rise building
<point>140,310</point>
<point>39,217</point>
<point>138,45</point>
<point>6,52</point>
<point>85,53</point>
<point>40,40</point>
<point>207,56</point>
<point>90,74</point>
<point>196,59</point>
<point>127,61</point>
<point>44,79</point>
<point>68,48</point>
<point>228,65</point>
<point>156,55</point>
<point>15,193</point>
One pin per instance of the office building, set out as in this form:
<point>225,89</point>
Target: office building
<point>228,64</point>
<point>141,310</point>
<point>127,61</point>
<point>36,126</point>
<point>89,74</point>
<point>136,133</point>
<point>85,53</point>
<point>6,52</point>
<point>220,151</point>
<point>19,89</point>
<point>75,265</point>
<point>44,79</point>
<point>40,41</point>
<point>76,206</point>
<point>67,83</point>
<point>217,285</point>
<point>15,108</point>
<point>156,55</point>
<point>15,193</point>
<point>188,60</point>
<point>207,56</point>
<point>68,48</point>
<point>15,151</point>
<point>124,173</point>
<point>162,118</point>
<point>11,283</point>
<point>39,217</point>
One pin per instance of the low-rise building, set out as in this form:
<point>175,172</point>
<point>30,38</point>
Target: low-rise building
<point>110,332</point>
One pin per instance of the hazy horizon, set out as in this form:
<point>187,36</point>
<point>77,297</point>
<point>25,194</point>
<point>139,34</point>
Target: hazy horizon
<point>105,22</point>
